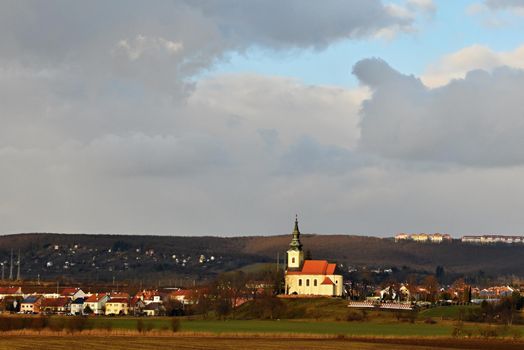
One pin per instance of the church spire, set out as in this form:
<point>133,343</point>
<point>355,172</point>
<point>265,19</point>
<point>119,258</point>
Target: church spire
<point>295,241</point>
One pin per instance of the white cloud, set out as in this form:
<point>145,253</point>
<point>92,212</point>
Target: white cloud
<point>141,45</point>
<point>427,6</point>
<point>475,121</point>
<point>457,64</point>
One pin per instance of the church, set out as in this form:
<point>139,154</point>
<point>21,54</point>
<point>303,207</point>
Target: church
<point>309,277</point>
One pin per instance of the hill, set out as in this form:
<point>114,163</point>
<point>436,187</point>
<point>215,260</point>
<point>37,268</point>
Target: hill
<point>83,257</point>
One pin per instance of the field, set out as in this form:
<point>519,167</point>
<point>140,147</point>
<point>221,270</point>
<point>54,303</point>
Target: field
<point>446,312</point>
<point>82,342</point>
<point>374,328</point>
<point>121,333</point>
<point>308,327</point>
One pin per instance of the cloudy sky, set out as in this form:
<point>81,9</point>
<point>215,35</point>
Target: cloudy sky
<point>195,117</point>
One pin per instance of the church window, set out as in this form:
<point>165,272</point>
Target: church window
<point>315,283</point>
<point>293,260</point>
<point>307,283</point>
<point>300,282</point>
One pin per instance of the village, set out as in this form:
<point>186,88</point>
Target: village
<point>303,278</point>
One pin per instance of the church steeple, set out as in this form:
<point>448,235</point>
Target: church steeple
<point>295,241</point>
<point>295,255</point>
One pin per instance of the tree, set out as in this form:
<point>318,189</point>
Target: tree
<point>308,255</point>
<point>173,307</point>
<point>175,324</point>
<point>439,273</point>
<point>431,284</point>
<point>140,325</point>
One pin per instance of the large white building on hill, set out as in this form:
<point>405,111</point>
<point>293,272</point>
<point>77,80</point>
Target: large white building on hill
<point>310,277</point>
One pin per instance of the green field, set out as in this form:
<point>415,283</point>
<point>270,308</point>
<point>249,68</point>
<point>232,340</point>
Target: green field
<point>446,312</point>
<point>321,327</point>
<point>367,328</point>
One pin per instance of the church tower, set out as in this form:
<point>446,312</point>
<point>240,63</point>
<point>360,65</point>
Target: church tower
<point>295,255</point>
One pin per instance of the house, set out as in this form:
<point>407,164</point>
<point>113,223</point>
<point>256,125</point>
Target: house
<point>96,303</point>
<point>73,293</point>
<point>420,237</point>
<point>10,304</point>
<point>184,296</point>
<point>491,239</point>
<point>31,304</point>
<point>309,277</point>
<point>496,292</point>
<point>58,306</point>
<point>402,237</point>
<point>424,237</point>
<point>119,295</point>
<point>150,296</point>
<point>136,306</point>
<point>154,309</point>
<point>10,292</point>
<point>398,293</point>
<point>117,306</point>
<point>77,306</point>
<point>439,238</point>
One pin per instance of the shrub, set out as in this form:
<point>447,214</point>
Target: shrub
<point>429,320</point>
<point>488,332</point>
<point>516,333</point>
<point>148,326</point>
<point>107,325</point>
<point>140,325</point>
<point>57,324</point>
<point>175,324</point>
<point>5,325</point>
<point>39,323</point>
<point>355,316</point>
<point>75,324</point>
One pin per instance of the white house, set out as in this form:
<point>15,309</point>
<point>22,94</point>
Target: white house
<point>77,306</point>
<point>96,303</point>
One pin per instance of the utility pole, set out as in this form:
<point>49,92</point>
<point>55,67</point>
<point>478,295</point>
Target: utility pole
<point>11,266</point>
<point>18,277</point>
<point>278,261</point>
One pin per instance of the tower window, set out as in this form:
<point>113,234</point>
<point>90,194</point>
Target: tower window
<point>293,260</point>
<point>315,283</point>
<point>307,283</point>
<point>300,282</point>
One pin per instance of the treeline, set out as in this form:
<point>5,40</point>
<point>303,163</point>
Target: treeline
<point>74,324</point>
<point>39,323</point>
<point>507,311</point>
<point>222,297</point>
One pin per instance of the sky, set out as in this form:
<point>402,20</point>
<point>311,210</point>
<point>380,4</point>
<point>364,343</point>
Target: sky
<point>201,117</point>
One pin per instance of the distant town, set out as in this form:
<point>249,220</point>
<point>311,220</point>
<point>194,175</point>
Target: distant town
<point>440,238</point>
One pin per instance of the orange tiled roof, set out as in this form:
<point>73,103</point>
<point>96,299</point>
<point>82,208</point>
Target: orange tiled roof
<point>55,302</point>
<point>315,267</point>
<point>69,291</point>
<point>120,295</point>
<point>118,300</point>
<point>182,292</point>
<point>95,298</point>
<point>9,290</point>
<point>327,280</point>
